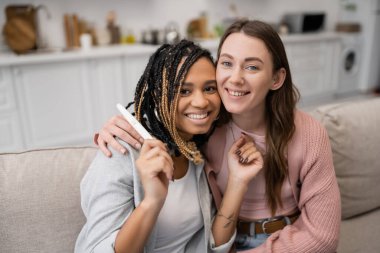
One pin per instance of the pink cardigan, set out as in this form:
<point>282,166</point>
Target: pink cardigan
<point>315,188</point>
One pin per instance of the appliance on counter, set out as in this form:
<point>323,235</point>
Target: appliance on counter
<point>304,22</point>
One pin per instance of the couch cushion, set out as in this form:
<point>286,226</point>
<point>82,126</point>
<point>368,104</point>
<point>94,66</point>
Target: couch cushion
<point>360,234</point>
<point>40,199</point>
<point>353,128</point>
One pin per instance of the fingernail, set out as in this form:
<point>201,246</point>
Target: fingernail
<point>241,159</point>
<point>138,145</point>
<point>141,140</point>
<point>123,150</point>
<point>245,160</point>
<point>238,152</point>
<point>108,154</point>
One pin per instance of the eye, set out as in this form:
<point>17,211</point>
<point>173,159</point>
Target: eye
<point>226,63</point>
<point>210,89</point>
<point>184,92</point>
<point>251,68</point>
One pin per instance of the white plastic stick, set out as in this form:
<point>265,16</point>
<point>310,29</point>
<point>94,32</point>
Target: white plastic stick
<point>134,122</point>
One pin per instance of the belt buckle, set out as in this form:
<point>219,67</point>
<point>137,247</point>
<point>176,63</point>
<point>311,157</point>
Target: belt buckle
<point>263,226</point>
<point>252,229</point>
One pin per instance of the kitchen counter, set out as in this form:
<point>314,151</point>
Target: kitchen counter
<point>54,55</point>
<point>57,55</point>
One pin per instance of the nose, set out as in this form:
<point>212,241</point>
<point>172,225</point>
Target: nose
<point>199,100</point>
<point>236,76</point>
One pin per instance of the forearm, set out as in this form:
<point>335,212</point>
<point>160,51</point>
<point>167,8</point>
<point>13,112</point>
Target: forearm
<point>137,228</point>
<point>224,224</point>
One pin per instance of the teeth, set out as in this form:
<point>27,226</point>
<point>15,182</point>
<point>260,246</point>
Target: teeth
<point>236,93</point>
<point>197,116</point>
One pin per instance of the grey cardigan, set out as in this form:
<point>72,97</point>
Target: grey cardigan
<point>110,191</point>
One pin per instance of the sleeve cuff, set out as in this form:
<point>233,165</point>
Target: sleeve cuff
<point>224,248</point>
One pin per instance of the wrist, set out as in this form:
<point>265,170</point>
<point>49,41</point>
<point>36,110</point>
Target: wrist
<point>150,204</point>
<point>237,184</point>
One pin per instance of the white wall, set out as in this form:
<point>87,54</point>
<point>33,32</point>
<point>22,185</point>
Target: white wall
<point>141,14</point>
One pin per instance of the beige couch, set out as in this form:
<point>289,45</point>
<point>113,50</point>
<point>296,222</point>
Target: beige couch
<point>40,202</point>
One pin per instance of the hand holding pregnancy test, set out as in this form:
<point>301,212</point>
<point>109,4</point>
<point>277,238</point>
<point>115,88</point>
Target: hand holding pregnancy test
<point>139,129</point>
<point>134,122</point>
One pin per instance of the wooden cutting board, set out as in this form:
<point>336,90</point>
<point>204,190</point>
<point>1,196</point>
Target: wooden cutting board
<point>20,35</point>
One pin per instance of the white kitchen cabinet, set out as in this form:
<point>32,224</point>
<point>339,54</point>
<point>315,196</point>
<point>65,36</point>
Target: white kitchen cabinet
<point>11,137</point>
<point>10,134</point>
<point>314,67</point>
<point>64,102</point>
<point>54,103</point>
<point>133,68</point>
<point>7,97</point>
<point>106,88</point>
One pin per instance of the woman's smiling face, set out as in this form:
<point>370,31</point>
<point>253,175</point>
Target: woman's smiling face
<point>244,73</point>
<point>199,101</point>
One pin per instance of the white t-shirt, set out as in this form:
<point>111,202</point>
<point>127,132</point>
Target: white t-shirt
<point>180,217</point>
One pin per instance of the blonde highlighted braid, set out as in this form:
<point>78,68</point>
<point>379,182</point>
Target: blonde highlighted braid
<point>157,94</point>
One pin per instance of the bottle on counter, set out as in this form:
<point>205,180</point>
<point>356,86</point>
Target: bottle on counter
<point>103,36</point>
<point>283,28</point>
<point>128,37</point>
<point>113,29</point>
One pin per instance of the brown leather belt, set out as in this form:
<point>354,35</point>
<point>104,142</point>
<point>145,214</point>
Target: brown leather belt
<point>266,226</point>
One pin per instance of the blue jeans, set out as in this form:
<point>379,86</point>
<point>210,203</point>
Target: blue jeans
<point>245,242</point>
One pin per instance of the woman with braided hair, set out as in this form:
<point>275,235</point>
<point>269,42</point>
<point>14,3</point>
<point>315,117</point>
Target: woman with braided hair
<point>293,203</point>
<point>157,199</point>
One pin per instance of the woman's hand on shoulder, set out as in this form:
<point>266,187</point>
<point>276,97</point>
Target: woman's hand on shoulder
<point>244,160</point>
<point>155,167</point>
<point>117,126</point>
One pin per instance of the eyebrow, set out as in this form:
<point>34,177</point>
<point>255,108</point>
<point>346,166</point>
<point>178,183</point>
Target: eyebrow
<point>246,59</point>
<point>213,81</point>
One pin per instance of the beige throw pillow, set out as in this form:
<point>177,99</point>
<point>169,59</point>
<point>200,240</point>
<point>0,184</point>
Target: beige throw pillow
<point>354,131</point>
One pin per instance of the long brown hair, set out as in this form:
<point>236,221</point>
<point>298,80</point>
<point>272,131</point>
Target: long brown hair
<point>280,106</point>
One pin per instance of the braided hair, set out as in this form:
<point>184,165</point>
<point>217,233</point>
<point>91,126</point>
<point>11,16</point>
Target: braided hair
<point>157,93</point>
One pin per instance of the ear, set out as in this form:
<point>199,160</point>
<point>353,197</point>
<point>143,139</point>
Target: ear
<point>278,79</point>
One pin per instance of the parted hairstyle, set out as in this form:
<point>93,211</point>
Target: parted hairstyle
<point>157,93</point>
<point>280,107</point>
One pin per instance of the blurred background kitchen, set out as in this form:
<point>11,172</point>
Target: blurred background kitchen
<point>65,64</point>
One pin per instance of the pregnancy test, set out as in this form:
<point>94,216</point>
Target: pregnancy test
<point>134,122</point>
